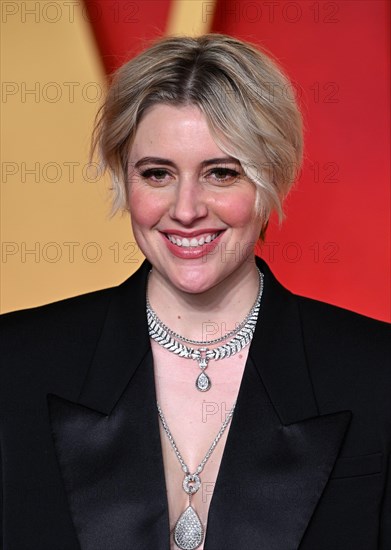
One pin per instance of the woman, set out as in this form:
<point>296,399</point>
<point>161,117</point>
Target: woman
<point>127,424</point>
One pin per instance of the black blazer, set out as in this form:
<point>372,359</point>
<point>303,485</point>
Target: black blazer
<point>307,460</point>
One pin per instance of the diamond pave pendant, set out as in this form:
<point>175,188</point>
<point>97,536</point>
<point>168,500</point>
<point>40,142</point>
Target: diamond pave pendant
<point>188,533</point>
<point>203,382</point>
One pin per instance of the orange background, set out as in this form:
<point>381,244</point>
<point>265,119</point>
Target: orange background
<point>57,240</point>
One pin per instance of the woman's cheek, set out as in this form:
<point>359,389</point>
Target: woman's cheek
<point>238,210</point>
<point>145,208</point>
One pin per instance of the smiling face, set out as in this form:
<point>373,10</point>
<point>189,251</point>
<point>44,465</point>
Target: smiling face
<point>192,208</point>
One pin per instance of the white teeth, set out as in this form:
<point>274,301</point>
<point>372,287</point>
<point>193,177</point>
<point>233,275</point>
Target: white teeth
<point>192,242</point>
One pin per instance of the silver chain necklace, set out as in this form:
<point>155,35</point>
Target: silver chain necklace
<point>163,336</point>
<point>201,342</point>
<point>188,531</point>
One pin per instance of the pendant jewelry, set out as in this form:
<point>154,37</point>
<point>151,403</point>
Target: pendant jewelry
<point>203,382</point>
<point>168,339</point>
<point>188,531</point>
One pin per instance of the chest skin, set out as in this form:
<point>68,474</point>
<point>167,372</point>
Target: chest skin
<point>194,419</point>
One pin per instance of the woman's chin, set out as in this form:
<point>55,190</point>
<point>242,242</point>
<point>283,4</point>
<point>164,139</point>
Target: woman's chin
<point>195,279</point>
<point>193,285</point>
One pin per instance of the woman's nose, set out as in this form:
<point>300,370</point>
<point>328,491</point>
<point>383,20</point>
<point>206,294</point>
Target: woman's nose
<point>189,203</point>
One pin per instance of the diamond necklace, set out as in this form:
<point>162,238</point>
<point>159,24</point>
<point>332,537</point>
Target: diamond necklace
<point>188,531</point>
<point>202,342</point>
<point>163,336</point>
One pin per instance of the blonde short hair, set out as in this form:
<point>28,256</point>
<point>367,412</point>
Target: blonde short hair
<point>248,102</point>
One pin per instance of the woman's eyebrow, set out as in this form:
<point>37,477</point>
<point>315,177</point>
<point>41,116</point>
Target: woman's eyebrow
<point>165,162</point>
<point>154,160</point>
<point>222,160</point>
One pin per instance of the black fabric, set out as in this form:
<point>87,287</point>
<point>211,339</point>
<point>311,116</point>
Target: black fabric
<point>104,461</point>
<point>306,463</point>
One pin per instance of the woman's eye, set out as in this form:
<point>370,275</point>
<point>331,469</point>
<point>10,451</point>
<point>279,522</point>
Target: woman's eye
<point>223,175</point>
<point>158,175</point>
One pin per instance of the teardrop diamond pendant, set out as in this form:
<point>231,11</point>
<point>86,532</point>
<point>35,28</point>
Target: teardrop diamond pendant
<point>188,533</point>
<point>203,382</point>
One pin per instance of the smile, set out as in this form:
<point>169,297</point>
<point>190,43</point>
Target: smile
<point>193,242</point>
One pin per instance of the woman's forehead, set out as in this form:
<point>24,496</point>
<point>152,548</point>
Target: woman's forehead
<point>174,130</point>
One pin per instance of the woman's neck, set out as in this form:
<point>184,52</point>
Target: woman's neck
<point>210,314</point>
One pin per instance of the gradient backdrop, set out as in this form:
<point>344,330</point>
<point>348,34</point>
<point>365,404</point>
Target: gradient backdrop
<point>57,240</point>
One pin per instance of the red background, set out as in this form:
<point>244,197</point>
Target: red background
<point>334,244</point>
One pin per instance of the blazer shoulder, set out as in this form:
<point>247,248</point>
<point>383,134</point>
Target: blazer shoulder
<point>334,321</point>
<point>62,311</point>
<point>53,333</point>
<point>81,306</point>
<point>347,353</point>
<point>325,308</point>
<point>68,322</point>
<point>53,346</point>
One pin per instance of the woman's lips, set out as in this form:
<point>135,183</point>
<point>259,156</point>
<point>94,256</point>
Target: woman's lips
<point>192,247</point>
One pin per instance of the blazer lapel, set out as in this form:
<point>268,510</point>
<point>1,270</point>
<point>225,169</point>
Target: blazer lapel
<point>108,443</point>
<point>279,452</point>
